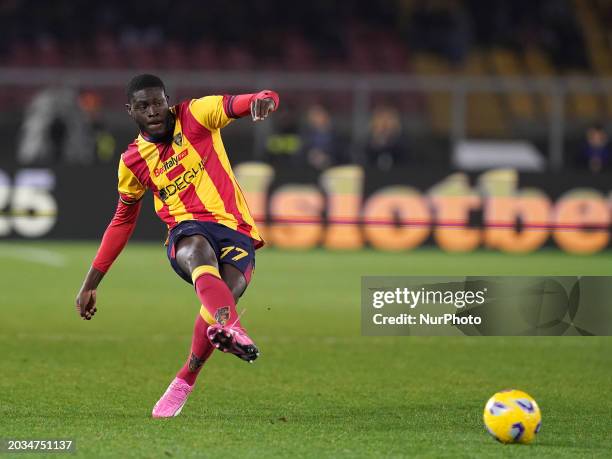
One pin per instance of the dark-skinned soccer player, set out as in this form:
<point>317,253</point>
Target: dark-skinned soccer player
<point>180,157</point>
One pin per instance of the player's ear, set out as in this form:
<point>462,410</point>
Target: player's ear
<point>128,107</point>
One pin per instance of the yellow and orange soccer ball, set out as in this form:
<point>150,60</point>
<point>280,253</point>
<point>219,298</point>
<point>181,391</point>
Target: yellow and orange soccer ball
<point>512,416</point>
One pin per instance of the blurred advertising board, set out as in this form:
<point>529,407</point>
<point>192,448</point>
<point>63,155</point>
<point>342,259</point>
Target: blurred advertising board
<point>343,208</point>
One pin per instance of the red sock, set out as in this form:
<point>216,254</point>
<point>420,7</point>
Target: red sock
<point>215,296</point>
<point>200,352</point>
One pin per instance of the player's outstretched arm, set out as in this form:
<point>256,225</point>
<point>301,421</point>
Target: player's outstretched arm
<point>114,240</point>
<point>259,105</point>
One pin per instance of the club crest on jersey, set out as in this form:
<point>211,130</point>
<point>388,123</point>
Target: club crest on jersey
<point>178,139</point>
<point>222,315</point>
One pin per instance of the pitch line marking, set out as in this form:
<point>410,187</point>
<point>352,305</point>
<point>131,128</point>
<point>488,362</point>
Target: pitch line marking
<point>34,255</point>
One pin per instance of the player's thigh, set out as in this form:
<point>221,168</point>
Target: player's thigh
<point>194,251</point>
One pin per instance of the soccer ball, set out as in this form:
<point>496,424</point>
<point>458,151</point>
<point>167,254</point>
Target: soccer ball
<point>512,416</point>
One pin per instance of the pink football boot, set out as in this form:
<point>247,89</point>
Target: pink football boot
<point>233,340</point>
<point>173,400</point>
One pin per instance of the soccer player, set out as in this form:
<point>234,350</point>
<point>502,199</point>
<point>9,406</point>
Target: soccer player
<point>212,237</point>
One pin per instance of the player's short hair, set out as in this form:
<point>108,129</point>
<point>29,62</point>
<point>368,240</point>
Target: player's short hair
<point>143,81</point>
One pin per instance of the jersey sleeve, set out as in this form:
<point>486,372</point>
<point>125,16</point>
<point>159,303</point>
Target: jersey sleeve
<point>237,106</point>
<point>130,189</point>
<point>209,112</point>
<point>116,235</point>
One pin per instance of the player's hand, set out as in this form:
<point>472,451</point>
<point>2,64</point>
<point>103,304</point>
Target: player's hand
<point>261,108</point>
<point>86,304</point>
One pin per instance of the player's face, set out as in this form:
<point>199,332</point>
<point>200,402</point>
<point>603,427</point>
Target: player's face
<point>149,108</point>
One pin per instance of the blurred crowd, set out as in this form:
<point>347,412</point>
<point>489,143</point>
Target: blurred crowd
<point>373,35</point>
<point>63,126</point>
<point>452,28</point>
<point>595,154</point>
<point>316,143</point>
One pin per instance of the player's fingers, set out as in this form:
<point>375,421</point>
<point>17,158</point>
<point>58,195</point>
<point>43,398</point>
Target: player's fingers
<point>92,303</point>
<point>258,110</point>
<point>267,109</point>
<point>253,110</point>
<point>83,302</point>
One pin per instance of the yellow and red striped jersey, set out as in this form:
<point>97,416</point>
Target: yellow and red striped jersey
<point>191,177</point>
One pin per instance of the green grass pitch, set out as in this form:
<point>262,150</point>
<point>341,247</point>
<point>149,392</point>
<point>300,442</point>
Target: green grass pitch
<point>318,390</point>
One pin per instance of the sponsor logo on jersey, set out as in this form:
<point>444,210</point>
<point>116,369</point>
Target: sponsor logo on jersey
<point>181,182</point>
<point>172,162</point>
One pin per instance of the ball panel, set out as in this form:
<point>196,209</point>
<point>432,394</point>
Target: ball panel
<point>512,416</point>
<point>525,405</point>
<point>517,431</point>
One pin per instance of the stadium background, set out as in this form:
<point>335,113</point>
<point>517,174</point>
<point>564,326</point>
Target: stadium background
<point>452,137</point>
